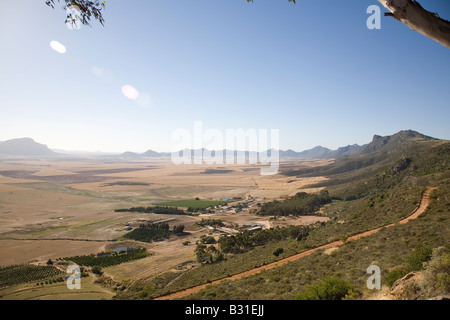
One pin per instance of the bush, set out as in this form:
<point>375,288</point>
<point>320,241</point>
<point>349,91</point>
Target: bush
<point>278,251</point>
<point>329,288</point>
<point>97,270</point>
<point>394,275</point>
<point>178,230</point>
<point>437,272</point>
<point>207,239</point>
<point>417,258</point>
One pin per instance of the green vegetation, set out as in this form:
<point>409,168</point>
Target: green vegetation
<point>299,205</point>
<point>204,239</point>
<point>208,254</point>
<point>17,274</point>
<point>278,251</point>
<point>155,210</point>
<point>246,240</point>
<point>216,264</point>
<point>233,264</point>
<point>109,258</point>
<point>391,248</point>
<point>329,288</point>
<point>178,230</point>
<point>154,232</point>
<point>437,272</point>
<point>149,232</point>
<point>97,270</point>
<point>366,191</point>
<point>414,262</point>
<point>193,204</point>
<point>434,279</point>
<point>210,222</point>
<point>173,207</point>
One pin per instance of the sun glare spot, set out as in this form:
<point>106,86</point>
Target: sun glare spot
<point>130,92</point>
<point>145,101</point>
<point>97,71</point>
<point>58,47</point>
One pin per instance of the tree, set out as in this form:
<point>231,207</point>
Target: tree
<point>409,12</point>
<point>200,253</point>
<point>97,270</point>
<point>86,9</point>
<point>207,239</point>
<point>412,14</point>
<point>178,229</point>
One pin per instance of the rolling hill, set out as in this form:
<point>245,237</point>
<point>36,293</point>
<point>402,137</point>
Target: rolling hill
<point>380,185</point>
<point>26,147</point>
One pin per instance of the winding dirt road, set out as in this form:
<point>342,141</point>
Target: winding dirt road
<point>423,205</point>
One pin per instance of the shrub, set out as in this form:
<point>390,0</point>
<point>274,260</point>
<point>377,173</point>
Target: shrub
<point>437,272</point>
<point>97,270</point>
<point>207,239</point>
<point>417,257</point>
<point>178,230</point>
<point>278,251</point>
<point>329,288</point>
<point>394,275</point>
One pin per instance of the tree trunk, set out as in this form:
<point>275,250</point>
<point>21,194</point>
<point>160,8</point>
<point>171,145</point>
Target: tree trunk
<point>417,18</point>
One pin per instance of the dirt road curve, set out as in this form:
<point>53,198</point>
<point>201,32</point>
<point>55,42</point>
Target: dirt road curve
<point>417,212</point>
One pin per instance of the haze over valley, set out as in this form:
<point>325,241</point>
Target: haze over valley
<point>236,151</point>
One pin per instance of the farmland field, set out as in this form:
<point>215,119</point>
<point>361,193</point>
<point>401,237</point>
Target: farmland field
<point>52,209</point>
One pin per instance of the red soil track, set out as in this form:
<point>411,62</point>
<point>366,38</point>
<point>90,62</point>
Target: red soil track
<point>423,205</point>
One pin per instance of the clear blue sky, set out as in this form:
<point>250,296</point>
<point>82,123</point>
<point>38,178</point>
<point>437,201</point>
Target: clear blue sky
<point>312,70</point>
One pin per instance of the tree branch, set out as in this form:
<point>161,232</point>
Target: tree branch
<point>87,9</point>
<point>411,13</point>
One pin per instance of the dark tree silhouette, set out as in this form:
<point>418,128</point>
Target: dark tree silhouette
<point>86,10</point>
<point>409,12</point>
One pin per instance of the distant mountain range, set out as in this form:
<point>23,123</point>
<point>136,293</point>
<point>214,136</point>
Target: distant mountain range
<point>318,152</point>
<point>28,147</point>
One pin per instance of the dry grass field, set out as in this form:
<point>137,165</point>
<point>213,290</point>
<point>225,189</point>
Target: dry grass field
<point>51,209</point>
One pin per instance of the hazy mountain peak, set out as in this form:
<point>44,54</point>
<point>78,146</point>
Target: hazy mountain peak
<point>24,147</point>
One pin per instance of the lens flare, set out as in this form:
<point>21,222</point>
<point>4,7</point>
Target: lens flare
<point>58,47</point>
<point>145,101</point>
<point>97,71</point>
<point>130,92</point>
